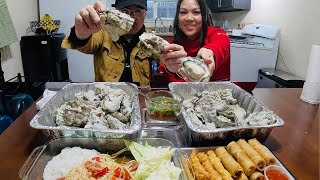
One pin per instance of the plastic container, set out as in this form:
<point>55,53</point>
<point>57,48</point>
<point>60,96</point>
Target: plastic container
<point>163,105</point>
<point>189,172</point>
<point>274,172</point>
<point>34,166</point>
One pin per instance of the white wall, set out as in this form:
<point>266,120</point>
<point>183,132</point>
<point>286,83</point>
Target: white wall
<point>21,12</point>
<point>299,24</point>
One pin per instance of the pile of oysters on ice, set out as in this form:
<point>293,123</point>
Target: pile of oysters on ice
<point>219,109</point>
<point>195,69</point>
<point>104,108</point>
<point>151,45</point>
<point>115,23</point>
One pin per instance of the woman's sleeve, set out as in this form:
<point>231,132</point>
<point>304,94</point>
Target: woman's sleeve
<point>88,46</point>
<point>167,77</point>
<point>218,41</point>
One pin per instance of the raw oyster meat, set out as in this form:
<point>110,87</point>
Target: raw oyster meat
<point>103,108</point>
<point>115,23</point>
<point>195,69</point>
<point>151,45</point>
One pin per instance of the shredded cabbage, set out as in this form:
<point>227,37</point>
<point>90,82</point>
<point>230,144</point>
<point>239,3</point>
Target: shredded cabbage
<point>154,162</point>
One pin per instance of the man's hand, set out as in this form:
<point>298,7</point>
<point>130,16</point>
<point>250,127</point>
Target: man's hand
<point>87,20</point>
<point>208,57</point>
<point>170,57</point>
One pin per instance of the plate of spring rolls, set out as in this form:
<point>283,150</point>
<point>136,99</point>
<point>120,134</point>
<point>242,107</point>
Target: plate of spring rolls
<point>240,160</point>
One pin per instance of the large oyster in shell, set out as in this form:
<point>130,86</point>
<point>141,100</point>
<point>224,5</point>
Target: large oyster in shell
<point>151,45</point>
<point>115,23</point>
<point>195,69</point>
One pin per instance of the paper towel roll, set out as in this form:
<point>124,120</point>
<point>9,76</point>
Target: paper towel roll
<point>311,88</point>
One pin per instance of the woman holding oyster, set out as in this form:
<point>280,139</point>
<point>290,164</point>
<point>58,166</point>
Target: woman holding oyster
<point>196,37</point>
<point>112,37</point>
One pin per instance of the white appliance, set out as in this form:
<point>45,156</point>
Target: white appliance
<point>80,64</point>
<point>256,48</point>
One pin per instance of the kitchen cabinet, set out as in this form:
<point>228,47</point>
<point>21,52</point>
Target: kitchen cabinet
<point>228,5</point>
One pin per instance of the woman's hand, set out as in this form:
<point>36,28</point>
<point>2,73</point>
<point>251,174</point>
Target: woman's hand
<point>208,57</point>
<point>170,57</point>
<point>87,20</point>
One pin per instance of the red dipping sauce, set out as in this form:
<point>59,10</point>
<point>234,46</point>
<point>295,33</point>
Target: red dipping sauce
<point>274,174</point>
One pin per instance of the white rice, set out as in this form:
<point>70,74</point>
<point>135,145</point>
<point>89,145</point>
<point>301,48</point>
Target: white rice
<point>61,164</point>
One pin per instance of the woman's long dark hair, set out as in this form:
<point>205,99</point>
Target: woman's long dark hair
<point>207,20</point>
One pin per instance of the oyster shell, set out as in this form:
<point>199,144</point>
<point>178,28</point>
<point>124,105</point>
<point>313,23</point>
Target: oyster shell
<point>195,69</point>
<point>73,113</point>
<point>112,101</point>
<point>115,23</point>
<point>214,109</point>
<point>96,120</point>
<point>101,108</point>
<point>151,45</point>
<point>114,123</point>
<point>261,118</point>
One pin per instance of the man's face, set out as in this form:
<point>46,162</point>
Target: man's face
<point>139,15</point>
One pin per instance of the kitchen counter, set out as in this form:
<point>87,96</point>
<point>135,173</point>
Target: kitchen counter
<point>296,144</point>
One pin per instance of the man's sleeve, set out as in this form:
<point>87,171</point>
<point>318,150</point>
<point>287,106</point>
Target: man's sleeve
<point>88,46</point>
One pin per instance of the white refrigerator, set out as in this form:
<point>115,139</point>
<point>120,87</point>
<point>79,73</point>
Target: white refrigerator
<point>80,65</point>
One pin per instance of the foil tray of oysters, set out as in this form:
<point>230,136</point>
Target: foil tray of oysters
<point>219,112</point>
<point>100,109</point>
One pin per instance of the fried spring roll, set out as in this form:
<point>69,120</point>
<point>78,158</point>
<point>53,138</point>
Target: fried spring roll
<point>217,165</point>
<point>235,150</point>
<point>187,167</point>
<point>252,154</point>
<point>228,162</point>
<point>242,177</point>
<point>214,175</point>
<point>257,176</point>
<point>199,171</point>
<point>267,156</point>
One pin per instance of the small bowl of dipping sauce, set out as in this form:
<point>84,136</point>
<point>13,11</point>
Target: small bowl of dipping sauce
<point>274,172</point>
<point>163,105</point>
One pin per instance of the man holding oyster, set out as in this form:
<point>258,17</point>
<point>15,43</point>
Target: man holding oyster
<point>112,36</point>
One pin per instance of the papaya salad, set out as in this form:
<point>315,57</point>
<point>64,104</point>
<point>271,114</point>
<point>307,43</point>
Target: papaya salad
<point>148,162</point>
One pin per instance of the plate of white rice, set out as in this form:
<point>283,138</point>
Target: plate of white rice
<point>70,157</point>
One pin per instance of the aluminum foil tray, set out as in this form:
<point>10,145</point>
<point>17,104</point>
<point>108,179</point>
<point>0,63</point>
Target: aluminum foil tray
<point>34,166</point>
<point>200,136</point>
<point>44,119</point>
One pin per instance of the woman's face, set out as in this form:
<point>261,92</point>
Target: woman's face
<point>190,19</point>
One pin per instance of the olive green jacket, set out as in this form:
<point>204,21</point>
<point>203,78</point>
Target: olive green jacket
<point>109,58</point>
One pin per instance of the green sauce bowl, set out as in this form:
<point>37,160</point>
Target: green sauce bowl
<point>163,105</point>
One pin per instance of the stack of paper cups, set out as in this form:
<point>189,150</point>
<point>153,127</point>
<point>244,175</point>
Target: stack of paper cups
<point>311,88</point>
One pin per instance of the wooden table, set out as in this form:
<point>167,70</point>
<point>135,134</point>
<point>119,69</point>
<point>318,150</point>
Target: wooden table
<point>296,144</point>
